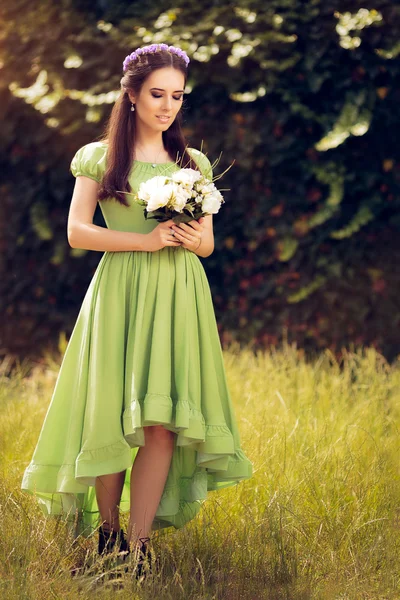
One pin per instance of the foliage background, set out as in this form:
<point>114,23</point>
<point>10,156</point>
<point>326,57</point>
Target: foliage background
<point>303,96</point>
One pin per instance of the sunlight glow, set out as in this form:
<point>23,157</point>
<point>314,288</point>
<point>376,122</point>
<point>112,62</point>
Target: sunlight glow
<point>348,22</point>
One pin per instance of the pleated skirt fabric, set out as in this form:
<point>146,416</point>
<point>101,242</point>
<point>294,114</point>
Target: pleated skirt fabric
<point>145,350</point>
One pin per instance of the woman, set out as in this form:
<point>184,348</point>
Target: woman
<point>141,418</point>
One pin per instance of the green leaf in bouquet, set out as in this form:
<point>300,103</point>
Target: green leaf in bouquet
<point>189,209</point>
<point>182,218</point>
<point>158,214</point>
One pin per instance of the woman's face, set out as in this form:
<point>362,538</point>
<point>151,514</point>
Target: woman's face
<point>161,95</point>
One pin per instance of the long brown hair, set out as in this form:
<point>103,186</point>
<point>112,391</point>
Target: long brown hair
<point>120,130</point>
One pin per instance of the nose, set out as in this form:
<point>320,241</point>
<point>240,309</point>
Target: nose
<point>167,105</point>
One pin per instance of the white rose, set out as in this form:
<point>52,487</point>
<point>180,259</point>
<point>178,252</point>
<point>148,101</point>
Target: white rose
<point>180,198</point>
<point>160,196</point>
<point>212,202</point>
<point>147,188</point>
<point>186,177</point>
<point>207,188</point>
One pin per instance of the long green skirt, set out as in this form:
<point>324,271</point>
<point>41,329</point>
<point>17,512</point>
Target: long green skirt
<point>145,350</point>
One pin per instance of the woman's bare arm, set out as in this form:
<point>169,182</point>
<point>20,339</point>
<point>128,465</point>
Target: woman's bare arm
<point>81,231</point>
<point>207,239</point>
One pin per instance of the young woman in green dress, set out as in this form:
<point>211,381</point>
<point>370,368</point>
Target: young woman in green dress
<point>141,418</point>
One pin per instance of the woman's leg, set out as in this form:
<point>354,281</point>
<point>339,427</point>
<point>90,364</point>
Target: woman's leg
<point>148,476</point>
<point>108,494</point>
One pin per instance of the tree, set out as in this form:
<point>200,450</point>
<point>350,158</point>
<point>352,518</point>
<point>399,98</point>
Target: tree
<point>303,96</point>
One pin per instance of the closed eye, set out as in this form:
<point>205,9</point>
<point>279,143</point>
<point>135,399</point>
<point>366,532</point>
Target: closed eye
<point>160,96</point>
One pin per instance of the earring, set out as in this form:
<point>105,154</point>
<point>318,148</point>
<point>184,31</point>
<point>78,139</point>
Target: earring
<point>132,107</point>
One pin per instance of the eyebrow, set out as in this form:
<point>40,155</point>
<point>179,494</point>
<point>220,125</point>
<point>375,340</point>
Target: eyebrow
<point>161,90</point>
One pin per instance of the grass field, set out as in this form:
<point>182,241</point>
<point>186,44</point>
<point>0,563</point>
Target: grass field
<point>320,518</point>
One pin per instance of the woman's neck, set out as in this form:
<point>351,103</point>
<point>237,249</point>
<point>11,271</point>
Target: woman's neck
<point>149,139</point>
<point>150,147</point>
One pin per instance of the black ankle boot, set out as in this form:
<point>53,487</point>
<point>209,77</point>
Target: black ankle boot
<point>144,566</point>
<point>108,540</point>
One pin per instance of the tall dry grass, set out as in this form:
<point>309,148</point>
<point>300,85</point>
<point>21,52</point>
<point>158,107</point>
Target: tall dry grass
<point>318,520</point>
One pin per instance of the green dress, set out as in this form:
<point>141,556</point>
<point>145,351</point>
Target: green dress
<point>144,350</point>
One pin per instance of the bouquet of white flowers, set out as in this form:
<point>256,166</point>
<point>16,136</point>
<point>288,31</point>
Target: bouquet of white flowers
<point>182,196</point>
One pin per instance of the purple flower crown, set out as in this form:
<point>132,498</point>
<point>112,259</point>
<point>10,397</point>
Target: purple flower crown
<point>154,48</point>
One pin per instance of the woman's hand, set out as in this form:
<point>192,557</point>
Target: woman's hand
<point>161,236</point>
<point>189,233</point>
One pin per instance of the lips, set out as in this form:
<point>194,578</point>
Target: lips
<point>162,118</point>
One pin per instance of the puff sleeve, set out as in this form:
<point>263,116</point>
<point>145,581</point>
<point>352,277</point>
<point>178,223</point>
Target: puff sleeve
<point>202,162</point>
<point>89,161</point>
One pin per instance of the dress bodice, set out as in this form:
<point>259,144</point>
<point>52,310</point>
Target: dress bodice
<point>90,161</point>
